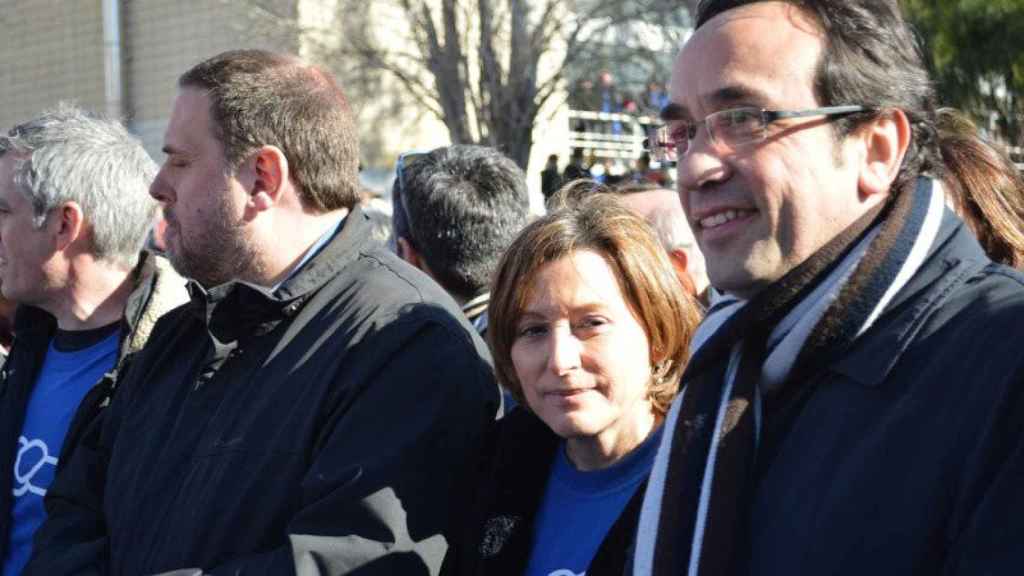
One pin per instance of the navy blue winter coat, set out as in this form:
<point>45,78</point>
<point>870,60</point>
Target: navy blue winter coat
<point>905,455</point>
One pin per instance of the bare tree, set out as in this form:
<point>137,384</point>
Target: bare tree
<point>486,68</point>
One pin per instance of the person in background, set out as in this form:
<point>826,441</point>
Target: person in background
<point>610,100</point>
<point>655,98</point>
<point>854,404</point>
<point>319,406</point>
<point>455,210</point>
<point>584,97</point>
<point>589,329</point>
<point>644,172</point>
<point>74,214</point>
<point>550,178</point>
<point>575,169</point>
<point>661,209</point>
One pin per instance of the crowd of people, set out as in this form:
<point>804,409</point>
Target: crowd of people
<point>591,168</point>
<point>606,96</point>
<point>798,361</point>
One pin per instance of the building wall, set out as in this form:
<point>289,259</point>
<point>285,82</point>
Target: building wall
<point>163,39</point>
<point>52,51</point>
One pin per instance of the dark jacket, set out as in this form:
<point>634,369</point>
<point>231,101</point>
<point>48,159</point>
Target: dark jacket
<point>157,289</point>
<point>905,455</point>
<point>575,172</point>
<point>332,427</point>
<point>550,181</point>
<point>523,457</point>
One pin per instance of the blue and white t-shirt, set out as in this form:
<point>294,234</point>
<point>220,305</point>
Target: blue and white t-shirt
<point>75,362</point>
<point>579,508</point>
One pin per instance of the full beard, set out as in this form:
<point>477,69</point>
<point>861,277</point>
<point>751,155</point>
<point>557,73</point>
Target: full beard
<point>217,253</point>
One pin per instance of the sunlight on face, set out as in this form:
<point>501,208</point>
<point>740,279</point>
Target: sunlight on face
<point>579,352</point>
<point>759,211</point>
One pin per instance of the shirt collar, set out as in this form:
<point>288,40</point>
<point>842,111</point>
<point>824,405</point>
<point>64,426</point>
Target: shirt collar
<point>313,251</point>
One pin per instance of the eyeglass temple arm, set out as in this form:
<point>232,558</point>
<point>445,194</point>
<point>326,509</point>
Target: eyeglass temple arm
<point>772,115</point>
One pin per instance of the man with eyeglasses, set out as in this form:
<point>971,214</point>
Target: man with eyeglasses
<point>855,400</point>
<point>319,406</point>
<point>455,210</point>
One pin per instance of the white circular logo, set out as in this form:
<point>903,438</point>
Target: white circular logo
<point>27,449</point>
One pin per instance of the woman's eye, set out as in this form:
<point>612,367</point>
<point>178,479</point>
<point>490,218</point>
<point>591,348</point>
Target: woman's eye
<point>531,330</point>
<point>591,322</point>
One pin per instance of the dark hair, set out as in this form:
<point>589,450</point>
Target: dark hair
<point>464,204</point>
<point>985,187</point>
<point>598,223</point>
<point>258,98</point>
<point>871,58</point>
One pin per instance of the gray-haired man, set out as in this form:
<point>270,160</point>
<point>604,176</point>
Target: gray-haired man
<point>74,213</point>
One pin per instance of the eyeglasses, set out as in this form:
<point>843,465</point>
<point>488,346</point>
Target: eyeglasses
<point>729,130</point>
<point>402,221</point>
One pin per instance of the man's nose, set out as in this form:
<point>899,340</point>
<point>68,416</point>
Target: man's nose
<point>702,164</point>
<point>160,190</point>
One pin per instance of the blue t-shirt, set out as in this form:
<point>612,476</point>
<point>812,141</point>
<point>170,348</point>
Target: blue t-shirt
<point>579,508</point>
<point>64,380</point>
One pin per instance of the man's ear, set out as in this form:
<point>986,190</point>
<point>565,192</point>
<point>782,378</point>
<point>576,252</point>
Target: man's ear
<point>885,140</point>
<point>408,253</point>
<point>680,260</point>
<point>67,223</point>
<point>270,177</point>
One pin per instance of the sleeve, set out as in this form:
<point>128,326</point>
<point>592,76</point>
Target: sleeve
<point>390,487</point>
<point>990,528</point>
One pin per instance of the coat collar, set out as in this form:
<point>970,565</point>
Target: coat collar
<point>955,257</point>
<point>238,308</point>
<point>158,289</point>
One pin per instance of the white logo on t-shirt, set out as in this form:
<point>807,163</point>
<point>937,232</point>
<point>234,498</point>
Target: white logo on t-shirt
<point>567,572</point>
<point>26,449</point>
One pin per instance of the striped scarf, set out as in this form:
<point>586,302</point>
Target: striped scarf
<point>694,516</point>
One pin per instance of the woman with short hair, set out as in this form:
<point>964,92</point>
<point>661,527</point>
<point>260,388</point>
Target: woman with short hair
<point>589,328</point>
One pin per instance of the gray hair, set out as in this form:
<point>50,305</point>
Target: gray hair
<point>67,155</point>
